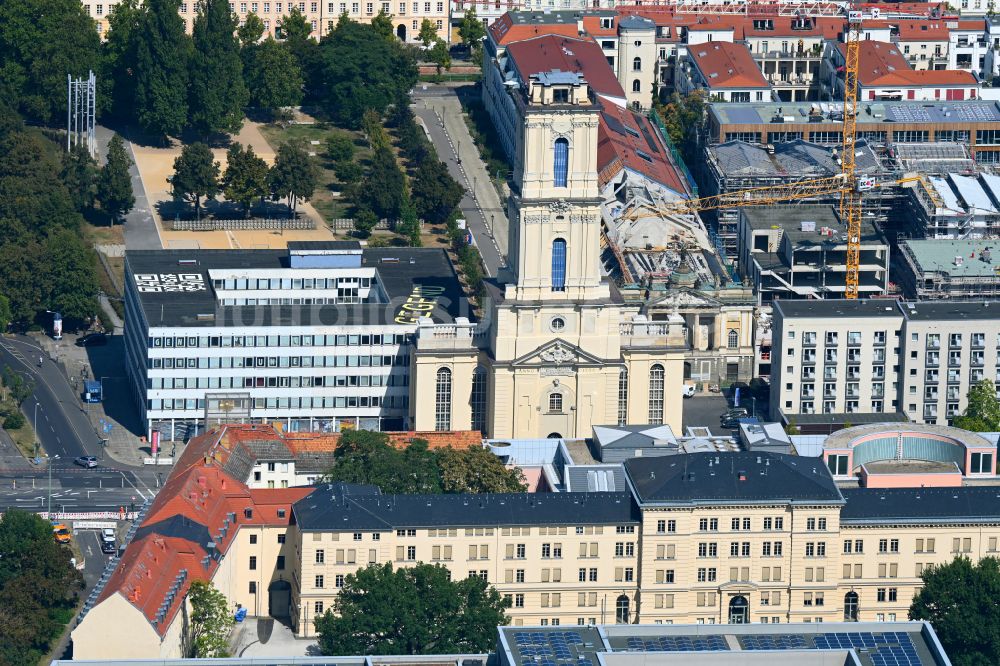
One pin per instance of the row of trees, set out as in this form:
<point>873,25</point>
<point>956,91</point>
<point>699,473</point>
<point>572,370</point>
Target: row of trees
<point>38,588</point>
<point>367,457</point>
<point>247,178</point>
<point>44,262</point>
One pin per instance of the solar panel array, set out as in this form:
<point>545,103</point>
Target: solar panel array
<point>551,648</point>
<point>976,112</point>
<point>908,114</point>
<point>677,644</point>
<point>891,648</point>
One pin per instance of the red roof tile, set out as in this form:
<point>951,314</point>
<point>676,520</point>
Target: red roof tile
<point>628,140</point>
<point>930,30</point>
<point>505,31</point>
<point>882,64</point>
<point>726,65</point>
<point>552,52</point>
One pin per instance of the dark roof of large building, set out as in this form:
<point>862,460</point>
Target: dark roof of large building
<point>964,504</point>
<point>187,297</point>
<point>951,310</point>
<point>754,476</point>
<point>330,508</point>
<point>842,307</point>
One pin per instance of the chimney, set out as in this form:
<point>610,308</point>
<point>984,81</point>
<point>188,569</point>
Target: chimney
<point>742,475</point>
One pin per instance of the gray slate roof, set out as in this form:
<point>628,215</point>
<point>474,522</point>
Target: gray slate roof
<point>330,508</point>
<point>595,478</point>
<point>793,158</point>
<point>744,476</point>
<point>966,504</point>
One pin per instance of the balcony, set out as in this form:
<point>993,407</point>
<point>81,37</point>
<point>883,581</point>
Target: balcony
<point>643,333</point>
<point>460,335</point>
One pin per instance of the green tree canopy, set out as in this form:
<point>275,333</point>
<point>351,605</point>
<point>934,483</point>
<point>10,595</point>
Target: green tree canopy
<point>211,621</point>
<point>114,186</point>
<point>959,600</point>
<point>365,221</point>
<point>251,31</point>
<point>41,41</point>
<point>119,54</point>
<point>382,188</point>
<point>418,610</point>
<point>79,174</point>
<point>368,458</point>
<point>428,33</point>
<point>440,56</point>
<point>272,75</point>
<point>296,33</point>
<point>348,172</point>
<point>38,588</point>
<point>196,175</point>
<point>6,315</point>
<point>339,147</point>
<point>683,117</point>
<point>295,175</point>
<point>409,224</point>
<point>218,94</point>
<point>70,282</point>
<point>435,192</point>
<point>162,52</point>
<point>983,411</point>
<point>358,71</point>
<point>383,24</point>
<point>471,31</point>
<point>245,178</point>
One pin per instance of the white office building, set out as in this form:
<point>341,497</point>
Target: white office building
<point>316,337</point>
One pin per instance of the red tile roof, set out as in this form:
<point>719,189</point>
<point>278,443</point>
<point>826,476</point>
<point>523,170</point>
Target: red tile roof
<point>196,505</point>
<point>623,138</point>
<point>505,31</point>
<point>882,64</point>
<point>725,65</point>
<point>922,31</point>
<point>592,25</point>
<point>552,52</point>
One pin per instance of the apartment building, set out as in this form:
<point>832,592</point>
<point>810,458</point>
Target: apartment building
<point>322,15</point>
<point>708,537</point>
<point>933,269</point>
<point>842,358</point>
<point>726,72</point>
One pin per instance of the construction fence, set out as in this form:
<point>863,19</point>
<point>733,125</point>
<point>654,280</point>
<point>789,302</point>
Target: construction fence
<point>250,224</point>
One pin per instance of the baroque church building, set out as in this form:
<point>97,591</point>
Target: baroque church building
<point>558,348</point>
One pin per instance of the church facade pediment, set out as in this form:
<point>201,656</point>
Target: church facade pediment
<point>555,353</point>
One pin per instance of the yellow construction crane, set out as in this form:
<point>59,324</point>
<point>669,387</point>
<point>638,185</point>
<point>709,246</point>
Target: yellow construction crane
<point>846,183</point>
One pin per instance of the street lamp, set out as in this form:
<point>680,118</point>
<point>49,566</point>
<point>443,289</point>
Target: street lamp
<point>492,225</point>
<point>50,459</point>
<point>34,426</point>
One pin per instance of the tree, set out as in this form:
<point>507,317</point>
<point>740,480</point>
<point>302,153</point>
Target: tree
<point>218,93</point>
<point>14,421</point>
<point>245,178</point>
<point>383,24</point>
<point>440,56</point>
<point>251,31</point>
<point>435,192</point>
<point>339,148</point>
<point>211,621</point>
<point>38,588</point>
<point>365,221</point>
<point>161,69</point>
<point>983,411</point>
<point>477,470</point>
<point>357,71</point>
<point>273,76</point>
<point>114,186</point>
<point>348,172</point>
<point>41,41</point>
<point>371,124</point>
<point>471,31</point>
<point>79,174</point>
<point>414,610</point>
<point>367,457</point>
<point>683,117</point>
<point>6,316</point>
<point>382,188</point>
<point>295,32</point>
<point>409,223</point>
<point>19,388</point>
<point>959,600</point>
<point>428,33</point>
<point>294,175</point>
<point>119,51</point>
<point>196,175</point>
<point>69,285</point>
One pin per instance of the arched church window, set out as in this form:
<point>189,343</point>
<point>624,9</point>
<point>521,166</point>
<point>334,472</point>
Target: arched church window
<point>560,162</point>
<point>733,339</point>
<point>656,376</point>
<point>478,400</point>
<point>442,400</point>
<point>559,265</point>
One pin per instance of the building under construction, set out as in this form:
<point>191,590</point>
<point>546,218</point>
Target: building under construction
<point>737,165</point>
<point>956,206</point>
<point>932,269</point>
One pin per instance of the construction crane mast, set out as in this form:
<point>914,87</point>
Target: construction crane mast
<point>846,183</point>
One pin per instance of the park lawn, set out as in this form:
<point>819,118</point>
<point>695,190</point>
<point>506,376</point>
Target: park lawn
<point>24,438</point>
<point>324,201</point>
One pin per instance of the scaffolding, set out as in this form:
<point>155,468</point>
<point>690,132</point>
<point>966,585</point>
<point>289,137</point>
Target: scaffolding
<point>81,113</point>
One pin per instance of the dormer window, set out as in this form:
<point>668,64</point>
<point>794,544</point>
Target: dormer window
<point>607,23</point>
<point>560,95</point>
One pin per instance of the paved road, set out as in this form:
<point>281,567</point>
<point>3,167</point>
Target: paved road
<point>440,111</point>
<point>73,489</point>
<point>140,229</point>
<point>62,426</point>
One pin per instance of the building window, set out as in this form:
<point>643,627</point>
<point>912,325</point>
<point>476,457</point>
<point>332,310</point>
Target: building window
<point>636,85</point>
<point>623,396</point>
<point>559,262</point>
<point>442,400</point>
<point>555,403</point>
<point>622,610</point>
<point>253,563</point>
<point>636,64</point>
<point>478,400</point>
<point>318,608</point>
<point>656,376</point>
<point>733,339</point>
<point>560,164</point>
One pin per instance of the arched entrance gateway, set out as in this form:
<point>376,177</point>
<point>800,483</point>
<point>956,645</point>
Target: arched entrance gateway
<point>739,610</point>
<point>851,606</point>
<point>621,610</point>
<point>401,32</point>
<point>279,596</point>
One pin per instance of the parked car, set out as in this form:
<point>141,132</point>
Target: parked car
<point>86,461</point>
<point>92,339</point>
<point>688,390</point>
<point>108,535</point>
<point>735,413</point>
<point>108,547</point>
<point>61,533</point>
